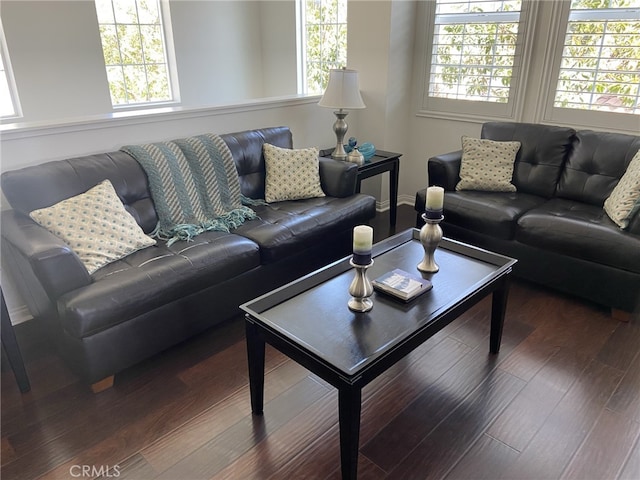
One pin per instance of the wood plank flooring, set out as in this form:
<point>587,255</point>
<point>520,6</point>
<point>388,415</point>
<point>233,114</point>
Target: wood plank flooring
<point>560,401</point>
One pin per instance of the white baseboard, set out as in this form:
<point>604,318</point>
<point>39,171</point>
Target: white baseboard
<point>402,200</point>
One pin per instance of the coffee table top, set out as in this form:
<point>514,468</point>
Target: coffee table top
<point>312,312</point>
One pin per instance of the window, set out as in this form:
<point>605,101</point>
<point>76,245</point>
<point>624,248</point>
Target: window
<point>474,52</point>
<point>600,65</point>
<point>323,42</point>
<point>135,53</point>
<point>9,106</point>
<point>591,77</point>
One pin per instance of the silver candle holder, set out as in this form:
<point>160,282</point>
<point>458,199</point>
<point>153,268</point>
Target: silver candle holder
<point>430,237</point>
<point>360,289</point>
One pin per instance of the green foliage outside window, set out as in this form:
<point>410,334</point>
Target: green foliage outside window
<point>474,61</point>
<point>134,53</point>
<point>482,65</point>
<point>326,41</point>
<point>600,67</point>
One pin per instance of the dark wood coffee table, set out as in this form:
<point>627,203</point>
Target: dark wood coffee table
<point>309,321</point>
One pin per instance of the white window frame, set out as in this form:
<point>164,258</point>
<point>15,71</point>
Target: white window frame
<point>301,46</point>
<point>11,83</point>
<point>547,112</point>
<point>170,58</point>
<point>464,109</point>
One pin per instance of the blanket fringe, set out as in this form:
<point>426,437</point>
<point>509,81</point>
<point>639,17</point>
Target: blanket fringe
<point>252,201</point>
<point>225,223</point>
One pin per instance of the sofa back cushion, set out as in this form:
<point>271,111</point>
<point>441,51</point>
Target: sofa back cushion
<point>543,152</point>
<point>246,149</point>
<point>43,185</point>
<point>40,186</point>
<point>597,162</point>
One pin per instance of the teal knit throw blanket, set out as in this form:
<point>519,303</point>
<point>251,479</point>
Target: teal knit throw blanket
<point>194,186</point>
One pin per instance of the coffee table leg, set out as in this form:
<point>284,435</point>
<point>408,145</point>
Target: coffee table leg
<point>498,308</point>
<point>255,355</point>
<point>349,405</point>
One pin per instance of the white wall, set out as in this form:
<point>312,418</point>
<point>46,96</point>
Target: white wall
<point>381,49</point>
<point>56,57</point>
<point>279,54</point>
<point>224,53</point>
<point>229,51</point>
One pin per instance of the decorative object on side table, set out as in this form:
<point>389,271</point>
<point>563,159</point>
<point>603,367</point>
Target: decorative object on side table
<point>431,233</point>
<point>368,150</point>
<point>359,154</point>
<point>361,288</point>
<point>342,93</point>
<point>355,156</point>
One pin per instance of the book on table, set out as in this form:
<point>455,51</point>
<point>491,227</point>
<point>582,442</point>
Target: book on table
<point>401,284</point>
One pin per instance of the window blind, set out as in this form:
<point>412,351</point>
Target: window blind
<point>600,65</point>
<point>474,49</point>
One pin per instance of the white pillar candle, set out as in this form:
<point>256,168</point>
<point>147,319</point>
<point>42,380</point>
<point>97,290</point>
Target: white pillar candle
<point>435,198</point>
<point>362,243</point>
<point>362,238</point>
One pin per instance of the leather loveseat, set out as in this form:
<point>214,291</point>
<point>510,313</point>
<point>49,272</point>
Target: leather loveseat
<point>554,224</point>
<point>159,296</point>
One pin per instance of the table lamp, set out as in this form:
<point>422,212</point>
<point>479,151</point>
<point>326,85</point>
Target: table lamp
<point>342,93</point>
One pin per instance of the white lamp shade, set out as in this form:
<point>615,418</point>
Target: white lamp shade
<point>342,91</point>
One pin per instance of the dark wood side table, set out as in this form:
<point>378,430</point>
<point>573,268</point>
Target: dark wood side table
<point>11,347</point>
<point>381,162</point>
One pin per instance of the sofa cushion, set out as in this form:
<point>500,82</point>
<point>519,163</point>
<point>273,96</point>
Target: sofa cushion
<point>42,185</point>
<point>491,213</point>
<point>538,163</point>
<point>579,230</point>
<point>624,201</point>
<point>153,277</point>
<point>487,165</point>
<point>286,228</point>
<point>595,166</point>
<point>95,225</point>
<point>291,174</point>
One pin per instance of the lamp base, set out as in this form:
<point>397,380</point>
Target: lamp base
<point>340,128</point>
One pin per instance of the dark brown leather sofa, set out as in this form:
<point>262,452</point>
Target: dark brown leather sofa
<point>554,224</point>
<point>159,296</point>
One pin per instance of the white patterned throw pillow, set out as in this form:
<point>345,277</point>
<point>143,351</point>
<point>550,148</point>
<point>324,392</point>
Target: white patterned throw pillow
<point>95,225</point>
<point>291,174</point>
<point>624,201</point>
<point>487,165</point>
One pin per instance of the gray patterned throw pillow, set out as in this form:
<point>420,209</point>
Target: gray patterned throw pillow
<point>487,165</point>
<point>95,225</point>
<point>624,201</point>
<point>291,174</point>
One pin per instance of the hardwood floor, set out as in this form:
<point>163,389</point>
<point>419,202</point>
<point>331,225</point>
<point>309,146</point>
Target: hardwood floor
<point>561,400</point>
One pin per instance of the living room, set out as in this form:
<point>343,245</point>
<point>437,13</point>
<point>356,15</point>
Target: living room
<point>58,67</point>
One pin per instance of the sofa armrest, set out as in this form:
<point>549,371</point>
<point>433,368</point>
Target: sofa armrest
<point>444,170</point>
<point>338,178</point>
<point>57,268</point>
